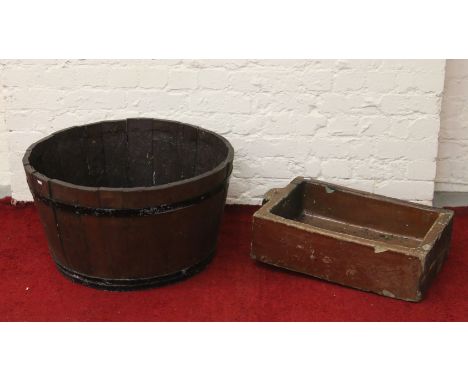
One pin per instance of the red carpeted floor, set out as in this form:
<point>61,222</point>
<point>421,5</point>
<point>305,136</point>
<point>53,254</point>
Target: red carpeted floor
<point>232,288</point>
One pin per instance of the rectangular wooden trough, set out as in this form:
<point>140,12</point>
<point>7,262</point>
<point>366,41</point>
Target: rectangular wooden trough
<point>354,238</point>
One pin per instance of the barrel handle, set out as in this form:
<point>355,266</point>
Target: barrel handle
<point>270,194</point>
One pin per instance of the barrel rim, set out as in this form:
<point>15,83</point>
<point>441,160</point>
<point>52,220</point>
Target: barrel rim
<point>221,166</point>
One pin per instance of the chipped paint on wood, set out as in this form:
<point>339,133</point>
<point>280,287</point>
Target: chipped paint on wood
<point>388,293</point>
<point>379,249</point>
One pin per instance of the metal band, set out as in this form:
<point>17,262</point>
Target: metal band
<point>126,212</point>
<point>134,284</point>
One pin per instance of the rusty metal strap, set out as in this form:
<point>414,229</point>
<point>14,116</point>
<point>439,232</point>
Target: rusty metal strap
<point>126,212</point>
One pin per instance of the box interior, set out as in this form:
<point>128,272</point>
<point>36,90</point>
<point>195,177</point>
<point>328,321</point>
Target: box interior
<point>355,214</point>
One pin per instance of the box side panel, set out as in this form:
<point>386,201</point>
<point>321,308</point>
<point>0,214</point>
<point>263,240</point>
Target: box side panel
<point>436,257</point>
<point>359,266</point>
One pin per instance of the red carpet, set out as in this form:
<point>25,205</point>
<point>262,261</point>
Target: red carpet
<point>232,288</point>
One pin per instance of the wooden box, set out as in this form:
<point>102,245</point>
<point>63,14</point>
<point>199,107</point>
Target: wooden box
<point>353,238</point>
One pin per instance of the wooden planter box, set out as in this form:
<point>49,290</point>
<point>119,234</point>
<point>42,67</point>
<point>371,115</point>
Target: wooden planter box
<point>353,238</point>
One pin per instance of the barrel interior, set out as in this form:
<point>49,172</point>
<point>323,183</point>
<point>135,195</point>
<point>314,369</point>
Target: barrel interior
<point>128,153</point>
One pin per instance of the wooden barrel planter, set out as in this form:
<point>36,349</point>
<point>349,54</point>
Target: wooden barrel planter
<point>131,203</point>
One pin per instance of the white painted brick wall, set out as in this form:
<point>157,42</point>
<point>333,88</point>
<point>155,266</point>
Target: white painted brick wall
<point>452,164</point>
<point>369,124</point>
<point>4,160</point>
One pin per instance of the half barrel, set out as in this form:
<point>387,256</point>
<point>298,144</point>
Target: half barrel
<point>130,203</point>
